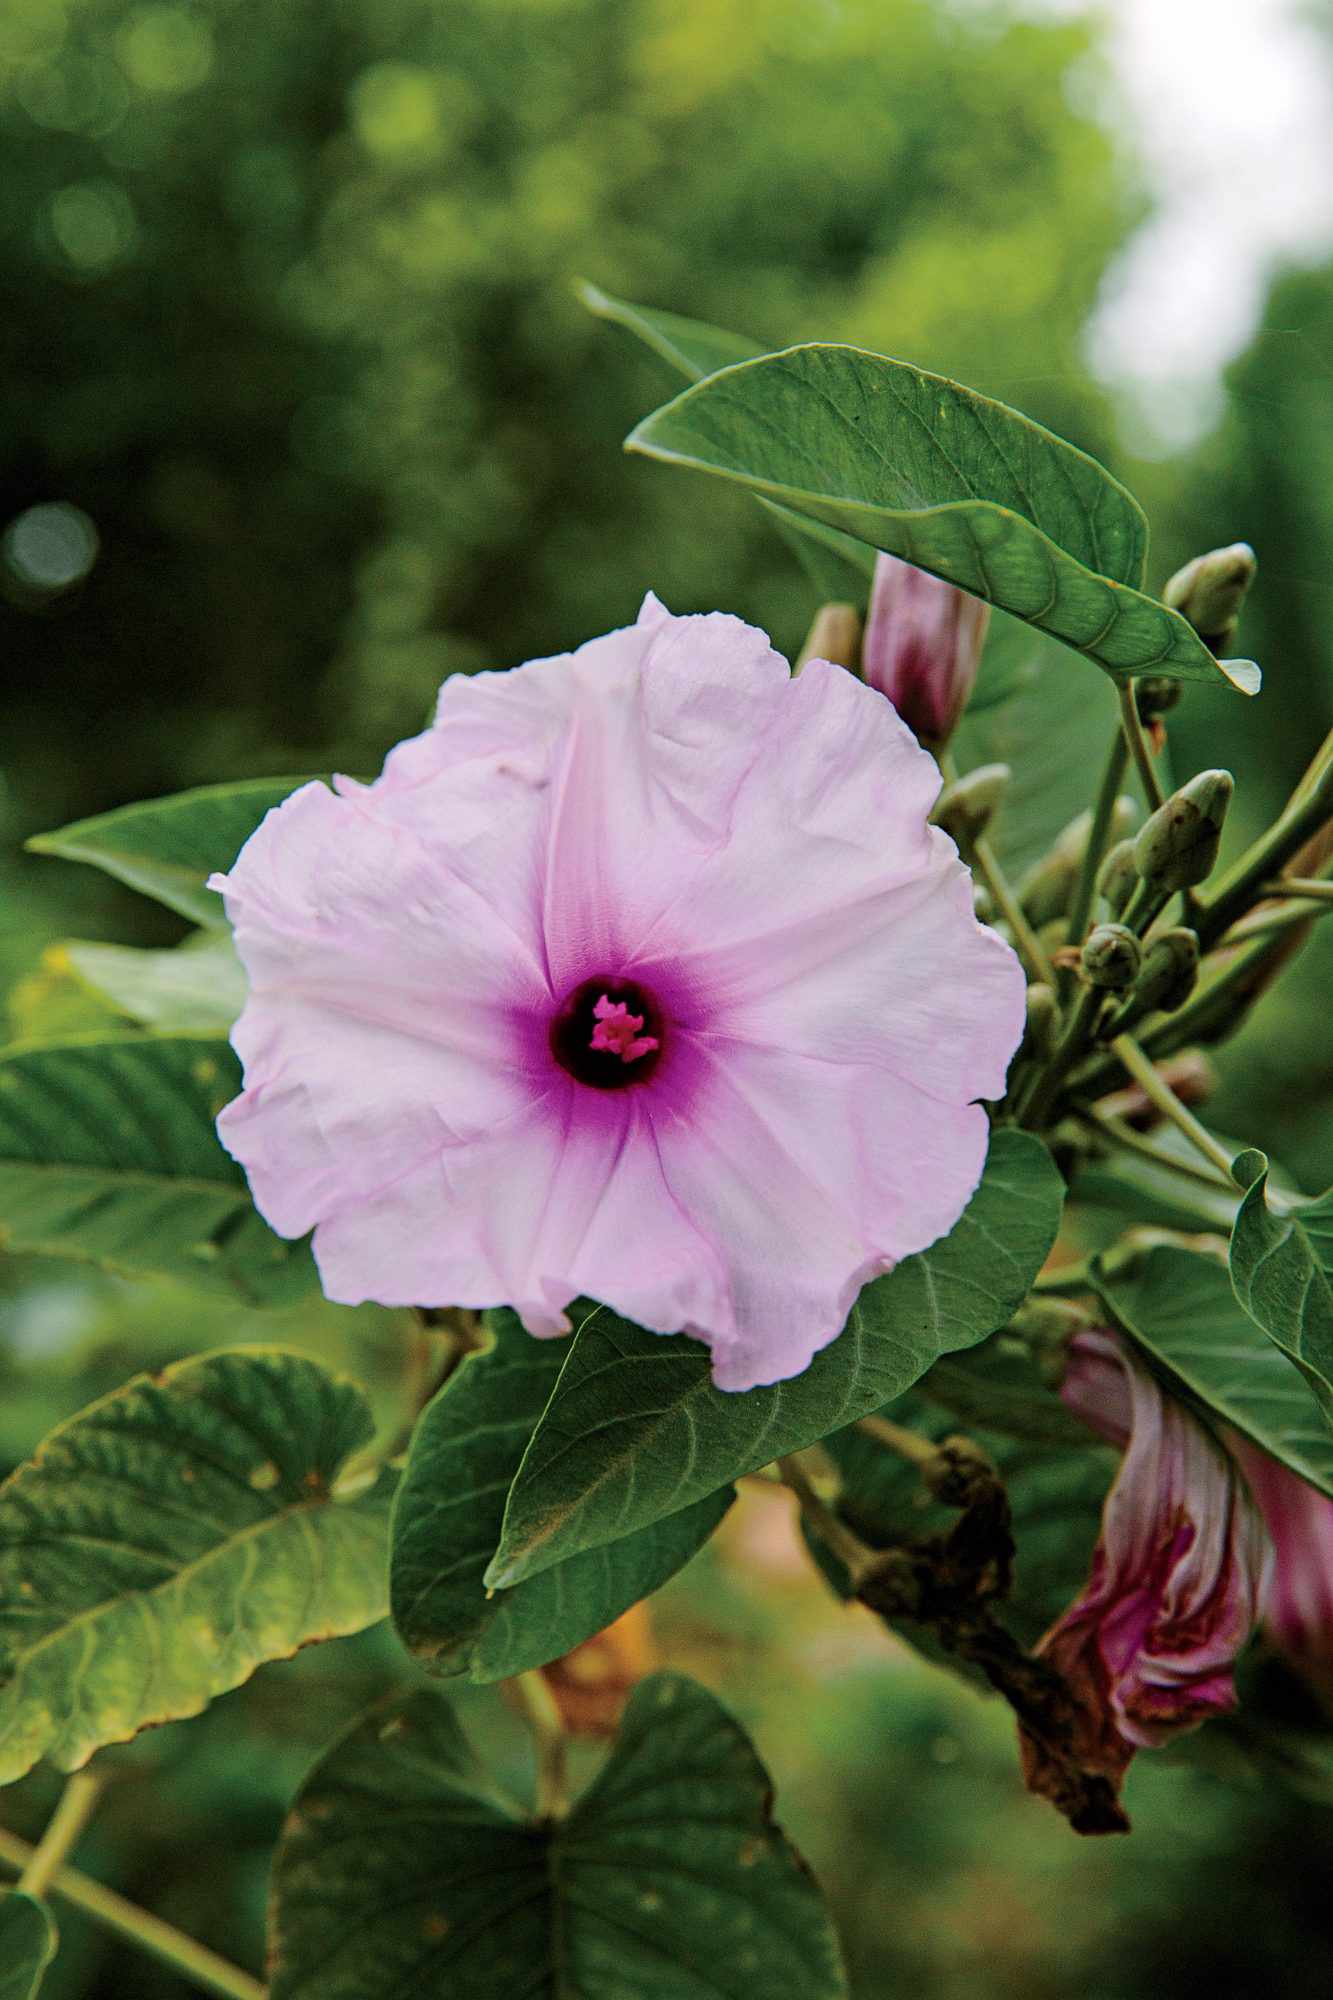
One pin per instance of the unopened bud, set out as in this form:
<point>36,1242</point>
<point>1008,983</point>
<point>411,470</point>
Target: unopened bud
<point>923,647</point>
<point>1110,958</point>
<point>1118,877</point>
<point>1210,591</point>
<point>1154,694</point>
<point>1045,890</point>
<point>835,634</point>
<point>1043,1019</point>
<point>1170,971</point>
<point>1178,846</point>
<point>966,807</point>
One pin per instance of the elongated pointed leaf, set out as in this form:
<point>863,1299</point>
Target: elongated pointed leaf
<point>957,484</point>
<point>108,1154</point>
<point>465,1452</point>
<point>27,1945</point>
<point>839,567</point>
<point>636,1430</point>
<point>402,1873</point>
<point>164,1543</point>
<point>1282,1269</point>
<point>1181,1310</point>
<point>167,848</point>
<point>197,988</point>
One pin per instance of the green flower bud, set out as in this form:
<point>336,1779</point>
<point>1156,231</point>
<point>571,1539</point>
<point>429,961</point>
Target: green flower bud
<point>1045,890</point>
<point>1210,591</point>
<point>1118,877</point>
<point>834,635</point>
<point>1043,1020</point>
<point>1178,846</point>
<point>966,807</point>
<point>1111,958</point>
<point>1154,694</point>
<point>1170,971</point>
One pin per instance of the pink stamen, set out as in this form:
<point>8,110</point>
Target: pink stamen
<point>618,1031</point>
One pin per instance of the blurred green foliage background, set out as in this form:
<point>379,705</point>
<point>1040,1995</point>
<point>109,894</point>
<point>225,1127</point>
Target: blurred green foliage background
<point>293,376</point>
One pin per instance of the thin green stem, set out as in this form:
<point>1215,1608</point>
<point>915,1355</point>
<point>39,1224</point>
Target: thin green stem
<point>849,1549</point>
<point>1080,908</point>
<point>906,1444</point>
<point>1160,1093</point>
<point>1065,1054</point>
<point>1124,1135</point>
<point>195,1962</point>
<point>67,1823</point>
<point>1006,902</point>
<point>1245,882</point>
<point>1312,886</point>
<point>1137,741</point>
<point>549,1741</point>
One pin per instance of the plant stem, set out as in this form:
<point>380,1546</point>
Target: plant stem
<point>67,1823</point>
<point>1080,907</point>
<point>549,1742</point>
<point>1063,1056</point>
<point>1006,902</point>
<point>916,1450</point>
<point>1306,811</point>
<point>1313,886</point>
<point>1132,729</point>
<point>171,1947</point>
<point>1161,1094</point>
<point>1121,1134</point>
<point>850,1550</point>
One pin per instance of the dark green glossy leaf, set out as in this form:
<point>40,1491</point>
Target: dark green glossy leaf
<point>1181,1310</point>
<point>839,566</point>
<point>108,1154</point>
<point>1282,1269</point>
<point>465,1452</point>
<point>402,1872</point>
<point>27,1945</point>
<point>957,484</point>
<point>635,1430</point>
<point>167,848</point>
<point>169,1539</point>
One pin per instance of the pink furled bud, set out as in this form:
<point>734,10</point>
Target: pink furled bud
<point>922,647</point>
<point>1177,1578</point>
<point>1298,1602</point>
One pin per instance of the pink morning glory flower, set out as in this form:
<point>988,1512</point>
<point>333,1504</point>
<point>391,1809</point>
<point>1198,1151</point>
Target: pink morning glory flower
<point>1177,1579</point>
<point>1298,1601</point>
<point>641,976</point>
<point>922,646</point>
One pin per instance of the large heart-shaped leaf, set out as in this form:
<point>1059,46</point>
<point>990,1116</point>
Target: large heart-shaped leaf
<point>465,1452</point>
<point>108,1154</point>
<point>1282,1268</point>
<point>167,848</point>
<point>949,480</point>
<point>402,1872</point>
<point>1181,1310</point>
<point>839,566</point>
<point>635,1430</point>
<point>27,1945</point>
<point>172,1537</point>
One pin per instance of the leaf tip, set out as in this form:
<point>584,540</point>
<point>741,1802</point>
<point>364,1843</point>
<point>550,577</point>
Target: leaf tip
<point>1243,675</point>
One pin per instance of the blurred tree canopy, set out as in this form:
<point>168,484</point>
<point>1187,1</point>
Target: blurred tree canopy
<point>291,323</point>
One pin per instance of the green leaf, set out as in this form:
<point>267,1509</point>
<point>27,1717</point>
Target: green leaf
<point>1282,1269</point>
<point>839,567</point>
<point>27,1945</point>
<point>957,484</point>
<point>108,1154</point>
<point>636,1430</point>
<point>402,1872</point>
<point>197,988</point>
<point>996,1386</point>
<point>169,1539</point>
<point>1181,1310</point>
<point>168,848</point>
<point>465,1452</point>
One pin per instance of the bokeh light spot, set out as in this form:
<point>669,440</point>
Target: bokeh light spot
<point>49,548</point>
<point>165,50</point>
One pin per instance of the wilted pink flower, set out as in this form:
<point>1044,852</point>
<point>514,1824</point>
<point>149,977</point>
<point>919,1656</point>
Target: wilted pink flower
<point>640,975</point>
<point>1298,1601</point>
<point>1177,1576</point>
<point>922,646</point>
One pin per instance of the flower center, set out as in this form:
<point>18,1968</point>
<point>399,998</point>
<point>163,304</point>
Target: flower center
<point>608,1033</point>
